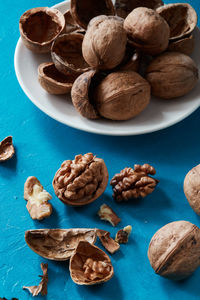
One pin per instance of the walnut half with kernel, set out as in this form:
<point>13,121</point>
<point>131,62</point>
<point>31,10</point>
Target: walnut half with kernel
<point>37,205</point>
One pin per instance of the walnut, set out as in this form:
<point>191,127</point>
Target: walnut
<point>53,81</point>
<point>181,18</point>
<point>81,181</point>
<point>174,250</point>
<point>172,75</point>
<point>122,95</point>
<point>83,11</point>
<point>123,234</point>
<point>106,213</point>
<point>42,287</point>
<point>90,265</point>
<point>7,149</point>
<point>133,183</point>
<point>66,53</point>
<point>147,30</point>
<point>71,25</point>
<point>39,27</point>
<point>184,45</point>
<point>109,244</point>
<point>104,43</point>
<point>124,7</point>
<point>37,205</point>
<point>192,188</point>
<point>58,244</point>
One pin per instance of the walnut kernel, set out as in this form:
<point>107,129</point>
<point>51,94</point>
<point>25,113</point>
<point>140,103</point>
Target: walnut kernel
<point>106,213</point>
<point>123,234</point>
<point>7,149</point>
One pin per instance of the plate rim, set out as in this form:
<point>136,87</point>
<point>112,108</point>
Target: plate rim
<point>92,129</point>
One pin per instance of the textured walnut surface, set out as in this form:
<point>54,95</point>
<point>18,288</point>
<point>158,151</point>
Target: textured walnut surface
<point>192,188</point>
<point>6,149</point>
<point>133,183</point>
<point>82,180</point>
<point>184,45</point>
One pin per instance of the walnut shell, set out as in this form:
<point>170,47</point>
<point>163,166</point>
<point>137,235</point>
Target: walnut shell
<point>172,75</point>
<point>83,11</point>
<point>81,181</point>
<point>66,53</point>
<point>122,95</point>
<point>79,273</point>
<point>124,7</point>
<point>39,27</point>
<point>131,60</point>
<point>192,188</point>
<point>185,45</point>
<point>181,18</point>
<point>147,30</point>
<point>7,149</point>
<point>71,25</point>
<point>104,43</point>
<point>58,244</point>
<point>174,250</point>
<point>53,81</point>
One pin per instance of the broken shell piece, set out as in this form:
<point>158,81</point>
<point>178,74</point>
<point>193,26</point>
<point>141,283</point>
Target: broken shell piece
<point>53,81</point>
<point>90,265</point>
<point>7,149</point>
<point>185,45</point>
<point>106,213</point>
<point>37,205</point>
<point>67,55</point>
<point>109,244</point>
<point>42,287</point>
<point>181,18</point>
<point>58,244</point>
<point>123,235</point>
<point>71,25</point>
<point>83,11</point>
<point>39,27</point>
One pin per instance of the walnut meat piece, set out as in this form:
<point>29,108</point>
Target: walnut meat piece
<point>81,181</point>
<point>123,234</point>
<point>174,250</point>
<point>90,265</point>
<point>104,43</point>
<point>37,205</point>
<point>106,213</point>
<point>172,75</point>
<point>109,244</point>
<point>7,149</point>
<point>133,183</point>
<point>147,30</point>
<point>192,188</point>
<point>42,287</point>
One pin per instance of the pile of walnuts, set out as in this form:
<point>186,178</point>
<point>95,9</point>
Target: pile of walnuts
<point>112,58</point>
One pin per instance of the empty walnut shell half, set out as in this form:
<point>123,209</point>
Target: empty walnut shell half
<point>90,265</point>
<point>83,11</point>
<point>124,7</point>
<point>71,25</point>
<point>172,75</point>
<point>181,18</point>
<point>185,45</point>
<point>192,188</point>
<point>81,181</point>
<point>58,244</point>
<point>67,55</point>
<point>7,149</point>
<point>39,27</point>
<point>174,250</point>
<point>53,81</point>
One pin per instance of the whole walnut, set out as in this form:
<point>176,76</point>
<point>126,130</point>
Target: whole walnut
<point>172,75</point>
<point>147,30</point>
<point>192,188</point>
<point>174,250</point>
<point>122,95</point>
<point>104,43</point>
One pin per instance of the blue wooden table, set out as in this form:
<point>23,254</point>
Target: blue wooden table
<point>41,146</point>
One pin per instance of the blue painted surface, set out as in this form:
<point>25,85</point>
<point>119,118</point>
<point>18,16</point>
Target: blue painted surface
<point>41,146</point>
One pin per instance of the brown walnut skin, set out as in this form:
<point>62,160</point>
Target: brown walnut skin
<point>39,27</point>
<point>172,75</point>
<point>174,250</point>
<point>122,95</point>
<point>192,188</point>
<point>83,11</point>
<point>181,18</point>
<point>185,45</point>
<point>81,181</point>
<point>104,43</point>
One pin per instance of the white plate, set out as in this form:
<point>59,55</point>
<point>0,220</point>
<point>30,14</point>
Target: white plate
<point>158,115</point>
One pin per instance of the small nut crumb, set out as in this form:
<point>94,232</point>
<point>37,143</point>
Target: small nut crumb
<point>6,149</point>
<point>123,235</point>
<point>96,269</point>
<point>109,244</point>
<point>42,287</point>
<point>37,205</point>
<point>106,213</point>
